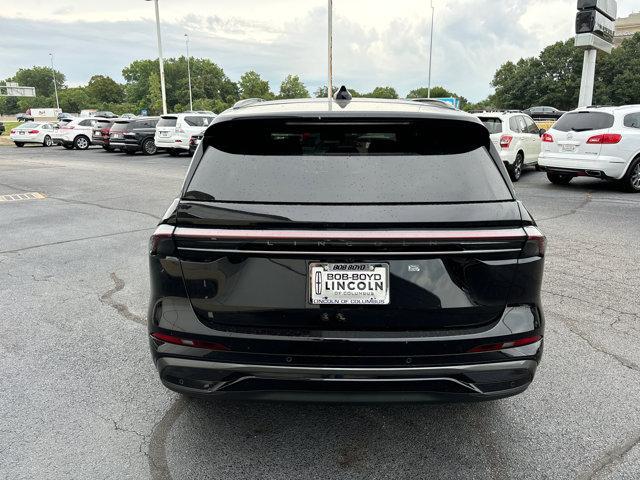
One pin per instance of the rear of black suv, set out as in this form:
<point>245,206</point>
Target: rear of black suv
<point>353,251</point>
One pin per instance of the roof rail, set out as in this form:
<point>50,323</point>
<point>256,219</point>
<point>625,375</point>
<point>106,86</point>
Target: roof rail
<point>246,102</point>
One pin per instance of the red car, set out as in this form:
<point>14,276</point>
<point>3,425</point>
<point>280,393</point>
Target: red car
<point>100,134</point>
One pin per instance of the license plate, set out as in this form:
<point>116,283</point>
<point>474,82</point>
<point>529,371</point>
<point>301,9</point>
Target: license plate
<point>164,134</point>
<point>116,135</point>
<point>349,283</point>
<point>21,133</point>
<point>568,148</point>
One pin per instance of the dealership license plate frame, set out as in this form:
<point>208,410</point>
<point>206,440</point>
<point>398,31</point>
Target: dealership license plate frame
<point>320,297</point>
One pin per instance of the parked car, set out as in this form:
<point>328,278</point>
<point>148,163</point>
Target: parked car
<point>24,117</point>
<point>596,142</point>
<point>104,114</point>
<point>194,142</point>
<point>174,131</point>
<point>75,134</point>
<point>544,113</point>
<point>63,115</point>
<point>128,115</point>
<point>516,137</point>
<point>116,133</point>
<point>32,132</point>
<point>138,136</point>
<point>367,250</point>
<point>100,133</point>
<point>2,128</point>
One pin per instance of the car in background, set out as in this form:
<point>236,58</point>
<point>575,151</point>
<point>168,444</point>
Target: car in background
<point>516,137</point>
<point>128,115</point>
<point>433,102</point>
<point>194,142</point>
<point>104,114</point>
<point>139,135</point>
<point>544,113</point>
<point>100,134</point>
<point>62,115</point>
<point>599,142</point>
<point>75,134</point>
<point>24,117</point>
<point>174,131</point>
<point>2,128</point>
<point>116,133</point>
<point>33,132</point>
<point>359,250</point>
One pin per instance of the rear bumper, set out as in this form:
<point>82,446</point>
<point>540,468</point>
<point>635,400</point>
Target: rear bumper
<point>475,382</point>
<point>584,165</point>
<point>171,142</point>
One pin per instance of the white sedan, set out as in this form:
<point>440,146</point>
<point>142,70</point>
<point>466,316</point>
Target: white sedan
<point>32,132</point>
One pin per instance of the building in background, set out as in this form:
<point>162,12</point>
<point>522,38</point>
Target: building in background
<point>626,27</point>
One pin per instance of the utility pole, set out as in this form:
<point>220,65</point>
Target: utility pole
<point>189,73</point>
<point>330,52</point>
<point>430,49</point>
<point>588,77</point>
<point>160,59</point>
<point>55,87</point>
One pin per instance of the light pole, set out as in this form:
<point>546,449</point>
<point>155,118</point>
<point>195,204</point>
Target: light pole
<point>330,52</point>
<point>189,73</point>
<point>55,87</point>
<point>160,59</point>
<point>430,50</point>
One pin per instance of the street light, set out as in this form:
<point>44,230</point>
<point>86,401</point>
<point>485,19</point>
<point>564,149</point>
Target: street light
<point>55,87</point>
<point>189,73</point>
<point>430,50</point>
<point>161,60</point>
<point>330,52</point>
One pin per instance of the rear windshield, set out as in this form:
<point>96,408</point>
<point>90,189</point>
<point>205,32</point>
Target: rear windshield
<point>167,122</point>
<point>584,121</point>
<point>28,125</point>
<point>318,162</point>
<point>494,125</point>
<point>120,126</point>
<point>194,121</point>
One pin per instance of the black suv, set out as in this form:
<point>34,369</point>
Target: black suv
<point>362,250</point>
<point>135,135</point>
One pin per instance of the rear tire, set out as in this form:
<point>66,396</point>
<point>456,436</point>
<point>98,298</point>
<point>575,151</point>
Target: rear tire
<point>559,178</point>
<point>47,141</point>
<point>631,181</point>
<point>515,170</point>
<point>149,147</point>
<point>67,146</point>
<point>108,149</point>
<point>130,152</point>
<point>174,152</point>
<point>81,142</point>
<point>19,144</point>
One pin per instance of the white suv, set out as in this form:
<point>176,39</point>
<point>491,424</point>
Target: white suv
<point>75,134</point>
<point>516,137</point>
<point>596,142</point>
<point>173,132</point>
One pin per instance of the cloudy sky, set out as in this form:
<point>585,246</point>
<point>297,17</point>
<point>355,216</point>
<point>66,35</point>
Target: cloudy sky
<point>376,42</point>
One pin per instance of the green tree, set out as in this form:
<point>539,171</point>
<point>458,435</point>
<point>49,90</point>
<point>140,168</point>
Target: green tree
<point>437,92</point>
<point>74,99</point>
<point>104,89</point>
<point>292,87</point>
<point>383,92</point>
<point>251,85</point>
<point>41,78</point>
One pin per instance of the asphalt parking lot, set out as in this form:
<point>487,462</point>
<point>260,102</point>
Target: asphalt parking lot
<point>80,398</point>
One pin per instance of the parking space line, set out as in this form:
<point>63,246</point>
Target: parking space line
<point>15,197</point>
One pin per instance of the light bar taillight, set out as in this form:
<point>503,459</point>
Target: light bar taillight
<point>494,347</point>
<point>536,244</point>
<point>186,342</point>
<point>605,139</point>
<point>505,141</point>
<point>547,138</point>
<point>161,242</point>
<point>34,132</point>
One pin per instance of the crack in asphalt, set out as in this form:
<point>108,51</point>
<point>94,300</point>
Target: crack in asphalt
<point>107,299</point>
<point>611,458</point>
<point>61,242</point>
<point>158,465</point>
<point>573,211</point>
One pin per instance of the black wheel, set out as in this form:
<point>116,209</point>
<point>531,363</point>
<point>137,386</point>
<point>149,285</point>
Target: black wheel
<point>81,142</point>
<point>559,178</point>
<point>149,147</point>
<point>108,149</point>
<point>515,170</point>
<point>19,144</point>
<point>631,181</point>
<point>174,152</point>
<point>67,146</point>
<point>538,168</point>
<point>130,152</point>
<point>47,141</point>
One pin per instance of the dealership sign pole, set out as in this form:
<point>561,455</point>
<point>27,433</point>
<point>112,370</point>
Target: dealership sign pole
<point>160,59</point>
<point>430,50</point>
<point>330,52</point>
<point>595,29</point>
<point>55,87</point>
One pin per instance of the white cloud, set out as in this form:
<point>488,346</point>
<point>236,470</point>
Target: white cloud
<point>376,42</point>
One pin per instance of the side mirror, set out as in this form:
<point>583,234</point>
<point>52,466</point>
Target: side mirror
<point>542,131</point>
